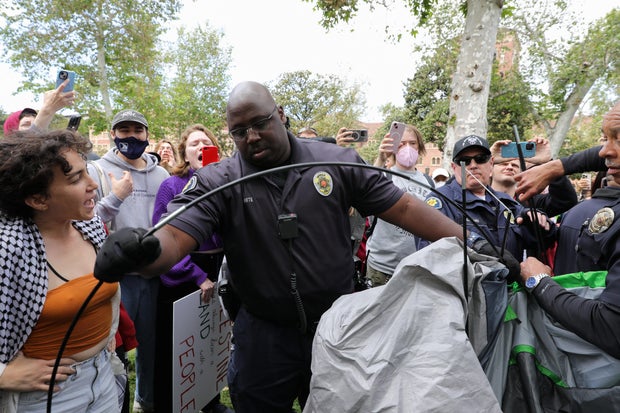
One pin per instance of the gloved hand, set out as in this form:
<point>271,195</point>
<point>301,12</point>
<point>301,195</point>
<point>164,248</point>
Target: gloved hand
<point>482,246</point>
<point>125,251</point>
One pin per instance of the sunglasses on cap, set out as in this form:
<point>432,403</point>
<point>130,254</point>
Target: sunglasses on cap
<point>480,159</point>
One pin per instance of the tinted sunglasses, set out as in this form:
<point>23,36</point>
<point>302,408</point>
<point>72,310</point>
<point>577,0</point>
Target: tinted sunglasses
<point>480,159</point>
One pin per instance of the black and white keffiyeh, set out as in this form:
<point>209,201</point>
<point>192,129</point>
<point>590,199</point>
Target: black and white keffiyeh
<point>23,277</point>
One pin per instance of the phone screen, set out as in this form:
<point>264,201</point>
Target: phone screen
<point>210,154</point>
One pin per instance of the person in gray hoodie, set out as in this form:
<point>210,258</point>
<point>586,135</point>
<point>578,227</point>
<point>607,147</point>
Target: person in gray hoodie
<point>128,180</point>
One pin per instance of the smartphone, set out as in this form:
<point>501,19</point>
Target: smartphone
<point>64,75</point>
<point>359,135</point>
<point>210,154</point>
<point>74,122</point>
<point>396,133</point>
<point>510,150</point>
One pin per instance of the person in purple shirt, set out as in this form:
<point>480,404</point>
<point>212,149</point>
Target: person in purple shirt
<point>187,275</point>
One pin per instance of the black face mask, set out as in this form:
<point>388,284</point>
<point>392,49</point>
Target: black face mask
<point>131,147</point>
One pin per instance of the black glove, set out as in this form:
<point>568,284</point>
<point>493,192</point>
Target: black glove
<point>482,246</point>
<point>125,251</point>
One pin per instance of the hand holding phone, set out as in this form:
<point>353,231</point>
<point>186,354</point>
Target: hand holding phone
<point>359,135</point>
<point>64,75</point>
<point>511,151</point>
<point>396,133</point>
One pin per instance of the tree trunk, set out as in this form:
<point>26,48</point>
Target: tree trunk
<point>558,133</point>
<point>472,79</point>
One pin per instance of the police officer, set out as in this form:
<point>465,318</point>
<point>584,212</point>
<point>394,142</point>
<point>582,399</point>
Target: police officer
<point>497,215</point>
<point>597,248</point>
<point>286,238</point>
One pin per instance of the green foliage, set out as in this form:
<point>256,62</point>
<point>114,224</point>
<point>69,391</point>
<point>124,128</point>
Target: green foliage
<point>111,44</point>
<point>584,134</point>
<point>335,11</point>
<point>197,90</point>
<point>427,93</point>
<point>325,103</point>
<point>508,105</point>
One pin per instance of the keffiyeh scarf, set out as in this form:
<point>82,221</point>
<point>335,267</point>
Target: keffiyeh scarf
<point>23,277</point>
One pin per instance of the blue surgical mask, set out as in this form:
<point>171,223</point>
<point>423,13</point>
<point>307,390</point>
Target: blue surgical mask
<point>131,147</point>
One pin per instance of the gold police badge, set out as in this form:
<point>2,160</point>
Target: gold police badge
<point>323,183</point>
<point>601,221</point>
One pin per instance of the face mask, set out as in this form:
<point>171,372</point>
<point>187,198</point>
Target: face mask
<point>131,147</point>
<point>440,184</point>
<point>407,156</point>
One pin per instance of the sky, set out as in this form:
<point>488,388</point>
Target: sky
<point>288,37</point>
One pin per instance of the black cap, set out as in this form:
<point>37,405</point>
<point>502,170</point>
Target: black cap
<point>129,115</point>
<point>469,142</point>
<point>27,112</point>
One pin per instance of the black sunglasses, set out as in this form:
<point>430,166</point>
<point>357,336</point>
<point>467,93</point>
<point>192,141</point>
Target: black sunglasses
<point>480,159</point>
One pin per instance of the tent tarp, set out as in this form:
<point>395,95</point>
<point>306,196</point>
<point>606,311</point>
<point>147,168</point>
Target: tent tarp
<point>403,347</point>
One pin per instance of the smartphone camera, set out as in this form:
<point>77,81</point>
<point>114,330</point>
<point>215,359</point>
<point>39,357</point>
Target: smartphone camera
<point>359,135</point>
<point>530,146</point>
<point>63,75</point>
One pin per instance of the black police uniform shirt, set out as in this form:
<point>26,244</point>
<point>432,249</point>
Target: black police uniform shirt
<point>590,241</point>
<point>493,219</point>
<point>246,216</point>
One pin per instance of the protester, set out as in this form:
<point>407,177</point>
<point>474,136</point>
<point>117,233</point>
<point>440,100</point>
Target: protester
<point>49,236</point>
<point>128,181</point>
<point>53,101</point>
<point>389,244</point>
<point>440,177</point>
<point>597,248</point>
<point>167,155</point>
<point>19,121</point>
<point>286,239</point>
<point>498,215</point>
<point>186,276</point>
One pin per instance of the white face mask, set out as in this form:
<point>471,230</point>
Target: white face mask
<point>407,156</point>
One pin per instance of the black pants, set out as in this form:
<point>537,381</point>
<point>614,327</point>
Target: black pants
<point>163,346</point>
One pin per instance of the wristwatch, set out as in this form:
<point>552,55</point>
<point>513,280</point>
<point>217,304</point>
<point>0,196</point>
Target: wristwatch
<point>533,281</point>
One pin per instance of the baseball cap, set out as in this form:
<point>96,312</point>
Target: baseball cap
<point>27,112</point>
<point>129,115</point>
<point>469,142</point>
<point>440,171</point>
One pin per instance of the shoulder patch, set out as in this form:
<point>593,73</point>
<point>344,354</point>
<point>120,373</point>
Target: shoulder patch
<point>323,183</point>
<point>190,185</point>
<point>434,202</point>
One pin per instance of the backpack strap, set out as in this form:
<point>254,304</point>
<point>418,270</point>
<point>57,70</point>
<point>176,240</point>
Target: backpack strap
<point>105,187</point>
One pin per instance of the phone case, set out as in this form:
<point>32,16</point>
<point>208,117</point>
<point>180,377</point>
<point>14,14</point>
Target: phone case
<point>62,76</point>
<point>396,132</point>
<point>209,155</point>
<point>510,150</point>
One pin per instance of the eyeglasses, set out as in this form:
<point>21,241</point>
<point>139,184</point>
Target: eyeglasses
<point>240,134</point>
<point>480,159</point>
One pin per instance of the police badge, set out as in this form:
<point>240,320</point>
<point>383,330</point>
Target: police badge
<point>601,221</point>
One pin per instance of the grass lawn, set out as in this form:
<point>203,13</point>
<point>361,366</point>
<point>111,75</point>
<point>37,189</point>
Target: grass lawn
<point>224,396</point>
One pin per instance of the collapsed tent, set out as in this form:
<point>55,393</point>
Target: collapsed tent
<point>539,366</point>
<point>403,347</point>
<point>418,345</point>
